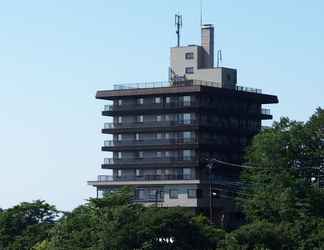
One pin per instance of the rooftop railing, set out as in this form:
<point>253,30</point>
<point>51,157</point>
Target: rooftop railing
<point>166,84</point>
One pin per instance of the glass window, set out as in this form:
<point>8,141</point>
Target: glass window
<point>187,173</point>
<point>157,100</point>
<point>187,154</point>
<point>186,100</point>
<point>140,101</point>
<point>189,55</point>
<point>158,118</point>
<point>119,155</point>
<point>137,136</point>
<point>167,135</point>
<point>187,118</point>
<point>120,102</point>
<point>140,193</point>
<point>119,119</point>
<point>173,194</point>
<point>159,154</point>
<point>168,99</point>
<point>119,172</point>
<point>159,136</point>
<point>167,117</point>
<point>140,154</point>
<point>167,154</point>
<point>140,118</point>
<point>187,134</point>
<point>119,137</point>
<point>192,193</point>
<point>189,70</point>
<point>137,172</point>
<point>159,172</point>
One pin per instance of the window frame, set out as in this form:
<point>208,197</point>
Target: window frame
<point>171,194</point>
<point>189,55</point>
<point>189,70</point>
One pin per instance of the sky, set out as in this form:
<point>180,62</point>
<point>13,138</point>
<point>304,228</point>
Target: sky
<point>55,54</point>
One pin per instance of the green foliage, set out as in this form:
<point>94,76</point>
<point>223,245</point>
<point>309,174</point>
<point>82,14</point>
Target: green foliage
<point>114,222</point>
<point>284,208</point>
<point>22,226</point>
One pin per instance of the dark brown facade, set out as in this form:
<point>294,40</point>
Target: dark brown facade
<point>162,138</point>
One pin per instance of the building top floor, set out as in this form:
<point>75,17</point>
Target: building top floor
<point>186,87</point>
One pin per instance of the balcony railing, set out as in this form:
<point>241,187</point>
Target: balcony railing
<point>112,161</point>
<point>136,106</point>
<point>184,83</point>
<point>110,125</point>
<point>171,141</point>
<point>265,112</point>
<point>110,178</point>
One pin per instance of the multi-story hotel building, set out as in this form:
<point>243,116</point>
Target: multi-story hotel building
<point>165,133</point>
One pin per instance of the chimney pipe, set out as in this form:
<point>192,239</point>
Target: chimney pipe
<point>207,42</point>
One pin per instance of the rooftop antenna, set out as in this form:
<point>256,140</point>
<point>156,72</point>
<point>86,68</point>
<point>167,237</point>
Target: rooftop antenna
<point>219,57</point>
<point>178,24</point>
<point>201,13</point>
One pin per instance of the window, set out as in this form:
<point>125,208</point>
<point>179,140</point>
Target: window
<point>137,172</point>
<point>167,136</point>
<point>140,154</point>
<point>158,118</point>
<point>186,100</point>
<point>189,55</point>
<point>140,101</point>
<point>119,119</point>
<point>173,194</point>
<point>167,99</point>
<point>187,154</point>
<point>192,193</point>
<point>159,136</point>
<point>187,172</point>
<point>187,134</point>
<point>137,136</point>
<point>187,118</point>
<point>119,172</point>
<point>140,194</point>
<point>159,172</point>
<point>167,117</point>
<point>167,154</point>
<point>158,154</point>
<point>119,137</point>
<point>189,70</point>
<point>120,102</point>
<point>157,100</point>
<point>140,118</point>
<point>119,155</point>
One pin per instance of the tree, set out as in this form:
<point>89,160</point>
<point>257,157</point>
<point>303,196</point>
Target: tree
<point>22,226</point>
<point>281,189</point>
<point>115,222</point>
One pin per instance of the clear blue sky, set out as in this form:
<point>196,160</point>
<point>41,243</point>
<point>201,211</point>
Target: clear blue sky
<point>54,55</point>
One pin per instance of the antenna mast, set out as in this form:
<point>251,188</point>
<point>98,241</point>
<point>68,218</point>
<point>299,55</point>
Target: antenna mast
<point>201,13</point>
<point>219,57</point>
<point>178,24</point>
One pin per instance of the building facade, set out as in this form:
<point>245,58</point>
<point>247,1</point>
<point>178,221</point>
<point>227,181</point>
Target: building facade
<point>164,134</point>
